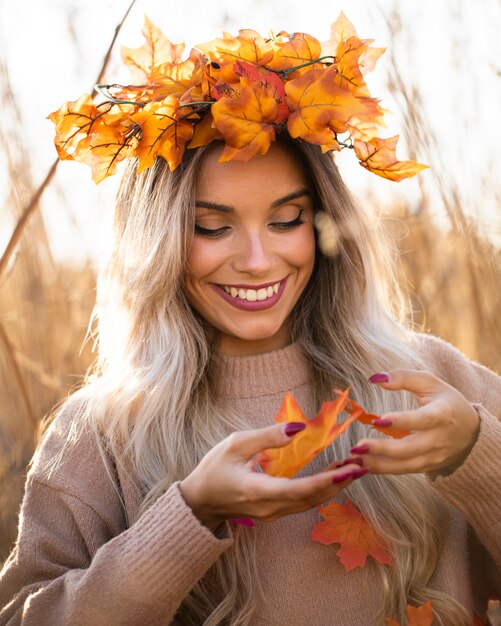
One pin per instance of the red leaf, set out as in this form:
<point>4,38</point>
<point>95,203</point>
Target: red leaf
<point>346,525</point>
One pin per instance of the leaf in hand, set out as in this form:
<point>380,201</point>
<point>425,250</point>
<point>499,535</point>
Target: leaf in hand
<point>378,156</point>
<point>366,418</point>
<point>346,525</point>
<point>320,432</point>
<point>416,615</point>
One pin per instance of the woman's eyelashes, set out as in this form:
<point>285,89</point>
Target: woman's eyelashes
<point>281,226</point>
<point>286,225</point>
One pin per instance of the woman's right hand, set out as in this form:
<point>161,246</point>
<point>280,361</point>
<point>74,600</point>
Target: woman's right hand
<point>225,483</point>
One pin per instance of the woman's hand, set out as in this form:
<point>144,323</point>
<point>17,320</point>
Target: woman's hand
<point>444,427</point>
<point>225,484</point>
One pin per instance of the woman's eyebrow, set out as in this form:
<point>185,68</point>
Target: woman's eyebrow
<point>214,205</point>
<point>276,203</point>
<point>290,196</point>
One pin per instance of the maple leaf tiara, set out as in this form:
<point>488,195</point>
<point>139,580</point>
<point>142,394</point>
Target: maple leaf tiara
<point>242,90</point>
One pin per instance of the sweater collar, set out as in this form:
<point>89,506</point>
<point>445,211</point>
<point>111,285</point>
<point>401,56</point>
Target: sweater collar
<point>260,374</point>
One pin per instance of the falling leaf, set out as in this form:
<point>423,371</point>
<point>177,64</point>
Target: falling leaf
<point>320,432</point>
<point>416,615</point>
<point>320,107</point>
<point>157,49</point>
<point>164,132</point>
<point>378,156</point>
<point>346,525</point>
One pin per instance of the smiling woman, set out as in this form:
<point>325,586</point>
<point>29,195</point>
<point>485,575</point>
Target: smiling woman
<point>253,251</point>
<point>215,302</point>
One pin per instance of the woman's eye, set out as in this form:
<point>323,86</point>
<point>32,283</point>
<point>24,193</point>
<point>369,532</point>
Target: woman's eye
<point>286,225</point>
<point>210,232</point>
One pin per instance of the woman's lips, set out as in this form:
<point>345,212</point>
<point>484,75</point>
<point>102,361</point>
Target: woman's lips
<point>248,305</point>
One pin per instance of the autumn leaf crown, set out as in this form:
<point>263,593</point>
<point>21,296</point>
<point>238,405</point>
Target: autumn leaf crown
<point>242,90</point>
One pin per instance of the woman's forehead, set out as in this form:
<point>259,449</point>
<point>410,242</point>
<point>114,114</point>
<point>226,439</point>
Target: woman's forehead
<point>277,173</point>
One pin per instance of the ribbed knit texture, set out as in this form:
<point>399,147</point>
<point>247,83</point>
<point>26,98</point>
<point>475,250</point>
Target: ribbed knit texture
<point>77,562</point>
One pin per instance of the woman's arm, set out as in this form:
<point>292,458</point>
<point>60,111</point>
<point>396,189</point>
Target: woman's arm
<point>68,568</point>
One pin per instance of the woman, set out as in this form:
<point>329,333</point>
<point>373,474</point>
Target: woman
<point>216,301</point>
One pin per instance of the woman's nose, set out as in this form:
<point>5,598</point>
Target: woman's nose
<point>253,254</point>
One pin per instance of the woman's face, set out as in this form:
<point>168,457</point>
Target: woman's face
<point>253,249</point>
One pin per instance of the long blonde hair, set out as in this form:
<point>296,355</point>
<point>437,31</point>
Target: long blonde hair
<point>153,407</point>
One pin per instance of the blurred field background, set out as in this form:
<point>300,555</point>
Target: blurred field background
<point>448,234</point>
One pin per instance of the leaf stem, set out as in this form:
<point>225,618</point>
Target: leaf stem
<point>298,67</point>
<point>103,91</point>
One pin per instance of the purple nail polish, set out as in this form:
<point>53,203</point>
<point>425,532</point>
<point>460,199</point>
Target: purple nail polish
<point>363,449</point>
<point>379,377</point>
<point>341,477</point>
<point>382,421</point>
<point>293,427</point>
<point>359,472</point>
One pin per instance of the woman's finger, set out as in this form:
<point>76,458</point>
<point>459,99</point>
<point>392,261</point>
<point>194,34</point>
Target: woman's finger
<point>421,383</point>
<point>423,418</point>
<point>411,446</point>
<point>302,489</point>
<point>386,465</point>
<point>244,444</point>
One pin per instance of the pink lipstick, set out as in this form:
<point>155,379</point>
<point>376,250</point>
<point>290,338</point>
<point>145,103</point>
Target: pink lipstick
<point>247,305</point>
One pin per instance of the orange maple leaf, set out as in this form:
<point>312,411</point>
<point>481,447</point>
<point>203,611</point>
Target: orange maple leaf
<point>416,615</point>
<point>366,418</point>
<point>164,132</point>
<point>342,30</point>
<point>246,122</point>
<point>74,121</point>
<point>346,525</point>
<point>205,132</point>
<point>319,433</point>
<point>157,49</point>
<point>320,107</point>
<point>111,142</point>
<point>378,156</point>
<point>298,49</point>
<point>248,45</point>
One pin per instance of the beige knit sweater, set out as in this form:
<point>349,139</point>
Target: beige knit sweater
<point>77,561</point>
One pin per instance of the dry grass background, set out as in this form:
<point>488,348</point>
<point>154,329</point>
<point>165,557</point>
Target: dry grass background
<point>452,276</point>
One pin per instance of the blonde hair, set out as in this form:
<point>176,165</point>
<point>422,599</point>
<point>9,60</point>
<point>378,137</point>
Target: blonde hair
<point>153,407</point>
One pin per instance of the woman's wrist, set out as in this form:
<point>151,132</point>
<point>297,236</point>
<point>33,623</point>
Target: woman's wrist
<point>190,497</point>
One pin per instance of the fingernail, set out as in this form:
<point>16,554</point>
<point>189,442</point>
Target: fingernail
<point>360,449</point>
<point>355,460</point>
<point>382,421</point>
<point>293,427</point>
<point>341,477</point>
<point>360,472</point>
<point>242,521</point>
<point>379,377</point>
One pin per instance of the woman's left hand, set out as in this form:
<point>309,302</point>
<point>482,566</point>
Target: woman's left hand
<point>443,428</point>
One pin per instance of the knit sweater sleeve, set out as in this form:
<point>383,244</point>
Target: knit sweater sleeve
<point>474,487</point>
<point>72,564</point>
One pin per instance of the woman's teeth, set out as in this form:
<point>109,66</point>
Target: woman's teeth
<point>252,294</point>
